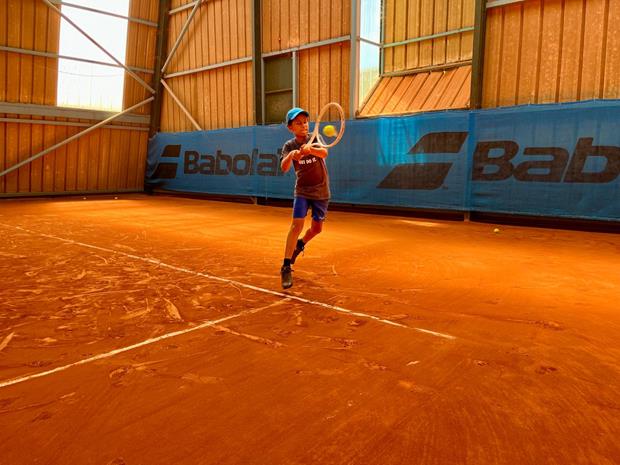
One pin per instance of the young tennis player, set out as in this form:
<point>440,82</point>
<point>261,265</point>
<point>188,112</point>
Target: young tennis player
<point>311,188</point>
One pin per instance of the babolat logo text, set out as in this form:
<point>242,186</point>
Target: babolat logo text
<point>495,161</point>
<point>559,165</point>
<point>243,164</point>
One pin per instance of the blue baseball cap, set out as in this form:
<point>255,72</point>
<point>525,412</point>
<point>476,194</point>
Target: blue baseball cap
<point>294,113</point>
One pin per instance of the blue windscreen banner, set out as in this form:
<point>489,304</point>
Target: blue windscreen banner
<point>560,160</point>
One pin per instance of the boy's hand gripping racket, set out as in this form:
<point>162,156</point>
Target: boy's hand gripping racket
<point>326,134</point>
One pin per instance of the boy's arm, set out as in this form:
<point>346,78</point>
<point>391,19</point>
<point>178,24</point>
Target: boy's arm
<point>320,152</point>
<point>287,160</point>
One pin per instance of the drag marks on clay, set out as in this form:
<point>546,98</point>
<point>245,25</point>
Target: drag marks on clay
<point>236,284</point>
<point>112,353</point>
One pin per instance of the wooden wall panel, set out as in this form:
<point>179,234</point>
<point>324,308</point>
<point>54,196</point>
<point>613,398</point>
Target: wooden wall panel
<point>30,25</point>
<point>220,31</point>
<point>291,23</point>
<point>104,160</point>
<point>218,98</point>
<point>411,19</point>
<point>548,51</point>
<point>323,77</point>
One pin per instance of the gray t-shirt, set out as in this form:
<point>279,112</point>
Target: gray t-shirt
<point>311,171</point>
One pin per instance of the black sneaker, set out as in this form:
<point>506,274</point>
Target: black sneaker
<point>287,276</point>
<point>299,248</point>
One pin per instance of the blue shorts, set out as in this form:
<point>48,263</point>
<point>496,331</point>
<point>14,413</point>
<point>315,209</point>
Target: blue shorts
<point>302,204</point>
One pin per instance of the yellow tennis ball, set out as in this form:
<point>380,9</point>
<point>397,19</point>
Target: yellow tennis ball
<point>496,230</point>
<point>329,130</point>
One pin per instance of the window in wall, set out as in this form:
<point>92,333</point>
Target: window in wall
<point>278,83</point>
<point>370,49</point>
<point>89,85</point>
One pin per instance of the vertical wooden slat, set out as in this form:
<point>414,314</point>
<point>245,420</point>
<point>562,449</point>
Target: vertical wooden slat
<point>467,38</point>
<point>388,37</point>
<point>400,34</point>
<point>72,159</point>
<point>234,96</point>
<point>226,31</point>
<point>93,156</point>
<point>314,24</point>
<point>551,32</point>
<point>304,24</point>
<point>36,173</point>
<point>124,156</point>
<point>440,21</point>
<point>611,83</point>
<point>3,60</point>
<point>275,25</point>
<point>324,19</point>
<point>511,50</point>
<point>131,154</point>
<point>426,29</point>
<point>413,31</point>
<point>24,147</point>
<point>492,57</point>
<point>13,59</point>
<point>58,133</point>
<point>51,64</point>
<point>3,147</point>
<point>12,140</point>
<point>113,167</point>
<point>40,42</point>
<point>293,22</point>
<point>266,25</point>
<point>27,43</point>
<point>571,51</point>
<point>104,160</point>
<point>530,50</point>
<point>593,49</point>
<point>82,162</point>
<point>453,45</point>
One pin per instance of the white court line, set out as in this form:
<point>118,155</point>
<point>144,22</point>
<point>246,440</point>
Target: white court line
<point>236,283</point>
<point>147,342</point>
<point>286,297</point>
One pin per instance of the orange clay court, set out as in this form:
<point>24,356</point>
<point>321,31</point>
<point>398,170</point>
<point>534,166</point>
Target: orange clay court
<point>153,330</point>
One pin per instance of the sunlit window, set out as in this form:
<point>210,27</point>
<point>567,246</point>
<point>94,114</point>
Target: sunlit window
<point>370,33</point>
<point>89,85</point>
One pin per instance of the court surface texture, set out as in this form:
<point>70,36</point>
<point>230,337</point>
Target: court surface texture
<point>154,330</point>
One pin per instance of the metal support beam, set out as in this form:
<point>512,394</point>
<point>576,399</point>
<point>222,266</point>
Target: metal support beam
<point>31,109</point>
<point>320,43</point>
<point>162,41</point>
<point>427,69</point>
<point>480,19</point>
<point>257,62</point>
<point>107,13</point>
<point>209,67</point>
<point>130,72</point>
<point>65,123</point>
<point>181,34</point>
<point>294,61</point>
<point>181,106</point>
<point>430,37</point>
<point>74,137</point>
<point>354,59</point>
<point>36,53</point>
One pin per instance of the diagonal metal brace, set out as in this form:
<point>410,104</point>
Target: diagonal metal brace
<point>130,72</point>
<point>75,136</point>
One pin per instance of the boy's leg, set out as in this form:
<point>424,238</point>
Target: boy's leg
<point>315,228</point>
<point>319,213</point>
<point>300,209</point>
<point>293,233</point>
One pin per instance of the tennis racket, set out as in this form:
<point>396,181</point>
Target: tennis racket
<point>327,134</point>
